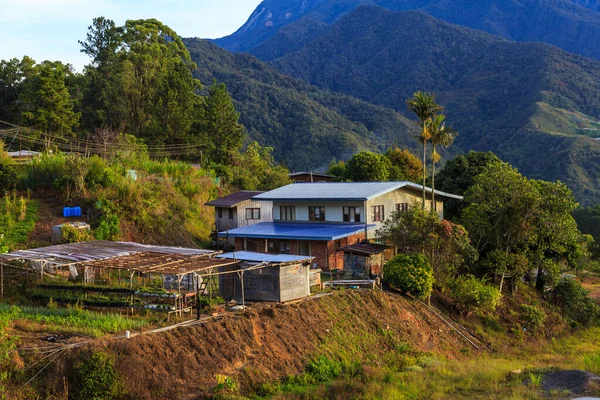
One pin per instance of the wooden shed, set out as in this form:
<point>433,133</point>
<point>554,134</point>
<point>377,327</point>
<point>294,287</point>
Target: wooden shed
<point>266,277</point>
<point>363,260</point>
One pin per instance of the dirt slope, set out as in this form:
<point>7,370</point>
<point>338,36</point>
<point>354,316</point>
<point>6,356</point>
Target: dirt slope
<point>270,342</point>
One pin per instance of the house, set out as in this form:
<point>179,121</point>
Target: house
<point>317,219</point>
<point>239,210</point>
<point>306,177</point>
<point>265,277</point>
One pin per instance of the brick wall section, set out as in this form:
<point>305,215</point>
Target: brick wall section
<point>324,252</point>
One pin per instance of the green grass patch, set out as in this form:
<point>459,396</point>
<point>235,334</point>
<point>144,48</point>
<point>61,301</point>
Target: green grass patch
<point>70,320</point>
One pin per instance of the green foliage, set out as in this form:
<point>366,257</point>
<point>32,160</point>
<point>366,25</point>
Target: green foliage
<point>70,234</point>
<point>470,294</point>
<point>573,299</point>
<point>256,169</point>
<point>97,379</point>
<point>518,223</point>
<point>109,224</point>
<point>49,103</point>
<point>458,175</point>
<point>7,345</point>
<point>324,369</point>
<point>221,131</point>
<point>225,384</point>
<point>447,246</point>
<point>17,219</point>
<point>368,167</point>
<point>410,274</point>
<point>533,317</point>
<point>72,320</point>
<point>408,166</point>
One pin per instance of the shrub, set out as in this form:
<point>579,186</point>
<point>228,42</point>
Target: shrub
<point>473,295</point>
<point>98,379</point>
<point>225,384</point>
<point>573,299</point>
<point>410,274</point>
<point>70,234</point>
<point>324,369</point>
<point>532,317</point>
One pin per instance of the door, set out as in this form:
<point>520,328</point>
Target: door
<point>304,248</point>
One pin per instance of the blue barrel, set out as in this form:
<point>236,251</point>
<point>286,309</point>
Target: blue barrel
<point>66,211</point>
<point>77,211</point>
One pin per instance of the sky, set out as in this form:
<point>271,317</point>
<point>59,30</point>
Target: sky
<point>50,29</point>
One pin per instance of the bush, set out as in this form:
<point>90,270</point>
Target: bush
<point>473,295</point>
<point>324,369</point>
<point>410,274</point>
<point>533,317</point>
<point>98,379</point>
<point>574,300</point>
<point>70,234</point>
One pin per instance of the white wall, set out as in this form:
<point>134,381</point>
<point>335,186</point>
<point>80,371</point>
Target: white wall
<point>239,215</point>
<point>333,209</point>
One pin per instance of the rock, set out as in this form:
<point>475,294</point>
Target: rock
<point>575,381</point>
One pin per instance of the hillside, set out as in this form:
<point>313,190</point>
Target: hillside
<point>271,342</point>
<point>527,102</point>
<point>573,25</point>
<point>306,126</point>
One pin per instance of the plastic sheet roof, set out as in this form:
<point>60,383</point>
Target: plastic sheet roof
<point>268,258</point>
<point>341,191</point>
<point>297,231</point>
<point>73,253</point>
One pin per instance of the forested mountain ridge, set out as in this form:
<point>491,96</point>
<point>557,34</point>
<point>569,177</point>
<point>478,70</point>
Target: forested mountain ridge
<point>306,126</point>
<point>528,102</point>
<point>573,25</point>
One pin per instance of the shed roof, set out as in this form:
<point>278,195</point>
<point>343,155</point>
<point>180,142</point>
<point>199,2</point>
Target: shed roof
<point>345,191</point>
<point>88,252</point>
<point>233,199</point>
<point>297,231</point>
<point>268,258</point>
<point>366,249</point>
<point>293,174</point>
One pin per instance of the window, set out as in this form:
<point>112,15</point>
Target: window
<point>287,213</point>
<point>401,207</point>
<point>351,214</point>
<point>316,213</point>
<point>231,213</point>
<point>278,247</point>
<point>377,213</point>
<point>252,213</point>
<point>254,245</point>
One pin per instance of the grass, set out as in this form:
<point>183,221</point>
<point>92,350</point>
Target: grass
<point>17,219</point>
<point>70,320</point>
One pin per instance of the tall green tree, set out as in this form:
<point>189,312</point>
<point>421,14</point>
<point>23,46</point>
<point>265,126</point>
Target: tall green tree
<point>49,103</point>
<point>368,167</point>
<point>458,175</point>
<point>13,76</point>
<point>424,106</point>
<point>441,135</point>
<point>221,130</point>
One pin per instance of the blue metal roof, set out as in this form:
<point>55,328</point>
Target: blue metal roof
<point>344,191</point>
<point>268,258</point>
<point>297,231</point>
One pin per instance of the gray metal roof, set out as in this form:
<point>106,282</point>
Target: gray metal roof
<point>268,258</point>
<point>336,191</point>
<point>293,174</point>
<point>233,199</point>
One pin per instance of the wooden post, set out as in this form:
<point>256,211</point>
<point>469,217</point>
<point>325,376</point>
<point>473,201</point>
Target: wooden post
<point>243,297</point>
<point>2,279</point>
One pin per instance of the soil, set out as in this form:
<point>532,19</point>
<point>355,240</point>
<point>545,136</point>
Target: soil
<point>267,343</point>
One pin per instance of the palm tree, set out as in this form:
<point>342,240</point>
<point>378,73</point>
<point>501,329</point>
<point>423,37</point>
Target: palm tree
<point>424,106</point>
<point>440,135</point>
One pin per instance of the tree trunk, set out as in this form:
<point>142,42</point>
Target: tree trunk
<point>539,282</point>
<point>433,207</point>
<point>424,163</point>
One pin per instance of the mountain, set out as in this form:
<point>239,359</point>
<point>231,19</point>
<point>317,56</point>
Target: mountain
<point>306,126</point>
<point>573,25</point>
<point>531,103</point>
